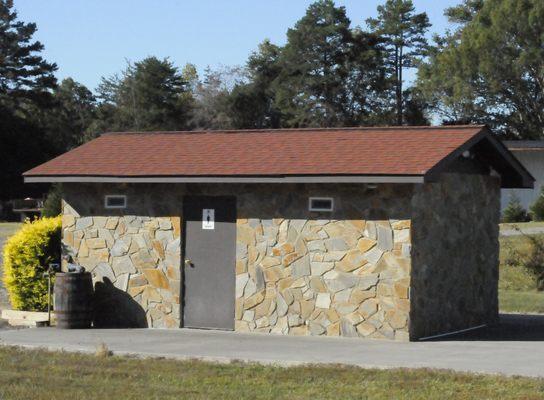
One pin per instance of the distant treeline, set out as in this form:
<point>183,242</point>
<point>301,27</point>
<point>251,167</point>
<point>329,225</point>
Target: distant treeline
<point>489,68</point>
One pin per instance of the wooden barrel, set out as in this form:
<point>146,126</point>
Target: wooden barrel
<point>73,300</point>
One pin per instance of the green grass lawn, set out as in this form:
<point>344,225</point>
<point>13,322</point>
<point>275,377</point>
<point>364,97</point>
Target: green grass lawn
<point>517,287</point>
<point>522,225</point>
<point>31,374</point>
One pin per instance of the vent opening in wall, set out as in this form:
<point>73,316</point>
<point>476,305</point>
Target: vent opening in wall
<point>115,201</point>
<point>321,204</point>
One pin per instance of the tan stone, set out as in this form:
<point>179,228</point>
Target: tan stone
<point>156,278</point>
<point>365,329</point>
<point>151,295</point>
<point>238,308</point>
<point>97,243</point>
<point>368,308</point>
<point>137,280</point>
<point>354,259</point>
<point>173,272</point>
<point>306,308</point>
<point>334,329</point>
<point>332,315</point>
<point>157,245</point>
<point>317,285</point>
<point>401,291</point>
<point>402,305</point>
<point>402,224</point>
<point>385,289</point>
<point>268,262</point>
<point>396,319</point>
<point>358,295</point>
<point>241,266</point>
<point>245,234</point>
<point>285,283</point>
<point>176,224</point>
<point>301,330</point>
<point>135,290</point>
<point>241,221</point>
<point>68,238</point>
<point>111,223</point>
<point>365,244</point>
<point>68,221</point>
<point>290,258</point>
<point>83,250</point>
<point>358,224</point>
<point>299,283</point>
<point>241,326</point>
<point>262,308</point>
<point>274,274</point>
<point>254,300</point>
<point>99,255</point>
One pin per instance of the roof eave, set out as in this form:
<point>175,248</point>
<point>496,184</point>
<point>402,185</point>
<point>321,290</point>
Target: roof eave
<point>226,179</point>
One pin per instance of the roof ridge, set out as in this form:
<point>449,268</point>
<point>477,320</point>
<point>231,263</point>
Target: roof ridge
<point>320,129</point>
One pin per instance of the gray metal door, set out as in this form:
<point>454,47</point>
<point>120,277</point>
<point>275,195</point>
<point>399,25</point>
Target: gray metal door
<point>209,262</point>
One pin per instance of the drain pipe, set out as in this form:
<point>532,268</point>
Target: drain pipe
<point>452,333</point>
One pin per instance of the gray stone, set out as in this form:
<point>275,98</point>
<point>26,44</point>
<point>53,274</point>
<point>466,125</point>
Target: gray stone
<point>84,222</point>
<point>319,268</point>
<point>367,281</point>
<point>119,248</point>
<point>334,255</point>
<point>301,267</point>
<point>385,238</point>
<point>241,281</point>
<point>336,244</point>
<point>373,255</point>
<point>121,282</point>
<point>123,265</point>
<point>316,329</point>
<point>323,300</point>
<point>370,230</point>
<point>250,288</point>
<point>259,278</point>
<point>347,328</point>
<point>316,245</point>
<point>164,236</point>
<point>103,270</point>
<point>281,306</point>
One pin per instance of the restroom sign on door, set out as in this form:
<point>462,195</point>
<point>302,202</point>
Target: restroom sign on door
<point>208,218</point>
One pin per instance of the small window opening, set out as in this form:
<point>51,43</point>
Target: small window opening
<point>321,204</point>
<point>115,201</point>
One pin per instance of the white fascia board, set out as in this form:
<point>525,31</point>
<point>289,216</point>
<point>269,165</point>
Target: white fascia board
<point>233,179</point>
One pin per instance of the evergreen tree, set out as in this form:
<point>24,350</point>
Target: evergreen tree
<point>72,113</point>
<point>330,73</point>
<point>490,69</point>
<point>404,34</point>
<point>148,95</point>
<point>252,104</point>
<point>25,77</point>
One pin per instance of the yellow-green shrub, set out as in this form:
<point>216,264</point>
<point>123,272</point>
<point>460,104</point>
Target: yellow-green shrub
<point>27,255</point>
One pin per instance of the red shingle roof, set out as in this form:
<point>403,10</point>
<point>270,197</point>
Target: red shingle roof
<point>284,152</point>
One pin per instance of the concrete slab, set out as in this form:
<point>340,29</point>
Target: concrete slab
<point>484,356</point>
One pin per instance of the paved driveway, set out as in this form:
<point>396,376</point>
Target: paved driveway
<point>490,354</point>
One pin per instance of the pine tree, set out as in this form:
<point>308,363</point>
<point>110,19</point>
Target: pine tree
<point>25,77</point>
<point>404,34</point>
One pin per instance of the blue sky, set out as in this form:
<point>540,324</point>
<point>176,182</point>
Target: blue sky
<point>91,39</point>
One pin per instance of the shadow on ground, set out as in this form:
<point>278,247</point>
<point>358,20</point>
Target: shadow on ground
<point>511,327</point>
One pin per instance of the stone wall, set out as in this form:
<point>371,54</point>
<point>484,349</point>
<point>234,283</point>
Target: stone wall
<point>323,277</point>
<point>298,272</point>
<point>344,273</point>
<point>455,254</point>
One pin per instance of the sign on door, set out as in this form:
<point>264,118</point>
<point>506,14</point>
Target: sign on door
<point>208,218</point>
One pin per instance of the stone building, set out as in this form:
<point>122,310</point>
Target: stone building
<point>385,233</point>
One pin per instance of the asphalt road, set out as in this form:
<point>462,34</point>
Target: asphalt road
<point>516,347</point>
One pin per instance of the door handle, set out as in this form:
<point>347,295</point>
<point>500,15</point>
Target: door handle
<point>188,262</point>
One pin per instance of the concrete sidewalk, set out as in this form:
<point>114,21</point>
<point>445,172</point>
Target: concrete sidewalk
<point>504,357</point>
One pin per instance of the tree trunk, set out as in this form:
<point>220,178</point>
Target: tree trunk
<point>399,86</point>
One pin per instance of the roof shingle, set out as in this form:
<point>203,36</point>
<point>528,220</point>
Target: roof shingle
<point>284,152</point>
